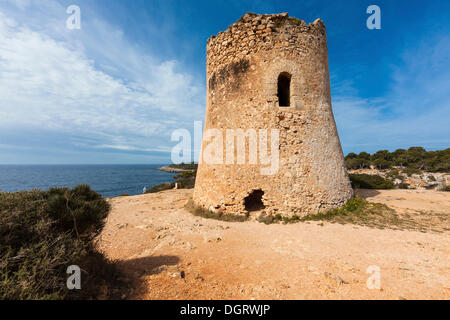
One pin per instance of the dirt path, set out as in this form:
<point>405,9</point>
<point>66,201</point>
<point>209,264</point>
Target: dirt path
<point>167,253</point>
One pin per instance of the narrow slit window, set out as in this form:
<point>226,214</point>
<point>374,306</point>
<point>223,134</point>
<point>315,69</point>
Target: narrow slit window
<point>284,89</point>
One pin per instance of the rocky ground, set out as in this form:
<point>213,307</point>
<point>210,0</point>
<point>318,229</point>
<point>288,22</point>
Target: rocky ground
<point>422,180</point>
<point>167,253</point>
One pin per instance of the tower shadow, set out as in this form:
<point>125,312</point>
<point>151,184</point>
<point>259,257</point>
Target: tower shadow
<point>131,279</point>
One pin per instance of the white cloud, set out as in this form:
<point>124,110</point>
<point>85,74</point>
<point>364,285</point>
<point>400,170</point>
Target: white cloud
<point>130,148</point>
<point>92,84</point>
<point>102,92</point>
<point>21,4</point>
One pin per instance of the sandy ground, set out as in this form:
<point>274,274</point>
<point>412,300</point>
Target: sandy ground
<point>410,200</point>
<point>167,253</point>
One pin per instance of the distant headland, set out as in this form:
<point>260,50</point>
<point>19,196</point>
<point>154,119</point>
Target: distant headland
<point>182,167</point>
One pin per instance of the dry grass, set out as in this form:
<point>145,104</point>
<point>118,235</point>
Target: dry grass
<point>44,232</point>
<point>356,211</point>
<point>201,212</point>
<point>377,215</point>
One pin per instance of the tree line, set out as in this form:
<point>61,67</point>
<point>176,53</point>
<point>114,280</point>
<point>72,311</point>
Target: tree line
<point>415,158</point>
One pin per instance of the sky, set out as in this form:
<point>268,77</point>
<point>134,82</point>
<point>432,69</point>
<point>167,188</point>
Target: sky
<point>114,90</point>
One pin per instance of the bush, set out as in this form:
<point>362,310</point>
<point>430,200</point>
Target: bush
<point>44,232</point>
<point>185,180</point>
<point>208,214</point>
<point>355,205</point>
<point>367,181</point>
<point>410,171</point>
<point>185,166</point>
<point>295,218</point>
<point>403,186</point>
<point>415,157</point>
<point>267,219</point>
<point>161,187</point>
<point>382,163</point>
<point>394,174</point>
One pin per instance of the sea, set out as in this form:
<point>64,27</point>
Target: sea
<point>108,180</point>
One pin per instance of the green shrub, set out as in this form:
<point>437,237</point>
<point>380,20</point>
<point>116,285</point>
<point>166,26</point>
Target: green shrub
<point>393,174</point>
<point>293,219</point>
<point>205,213</point>
<point>296,21</point>
<point>355,205</point>
<point>44,232</point>
<point>185,166</point>
<point>410,171</point>
<point>367,181</point>
<point>161,187</point>
<point>403,186</point>
<point>186,180</point>
<point>382,163</point>
<point>267,219</point>
<point>415,157</point>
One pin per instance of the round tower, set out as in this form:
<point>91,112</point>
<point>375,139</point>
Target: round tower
<point>268,88</point>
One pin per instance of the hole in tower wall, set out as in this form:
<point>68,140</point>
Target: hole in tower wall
<point>253,202</point>
<point>284,89</point>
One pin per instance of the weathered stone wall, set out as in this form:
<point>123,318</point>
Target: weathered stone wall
<point>243,65</point>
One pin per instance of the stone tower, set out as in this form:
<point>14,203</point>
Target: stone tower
<point>270,73</point>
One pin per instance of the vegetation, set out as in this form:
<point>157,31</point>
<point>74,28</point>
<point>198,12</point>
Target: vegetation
<point>278,218</point>
<point>161,187</point>
<point>202,212</point>
<point>295,21</point>
<point>403,186</point>
<point>394,174</point>
<point>376,215</point>
<point>185,180</point>
<point>185,166</point>
<point>410,171</point>
<point>353,206</point>
<point>414,159</point>
<point>356,210</point>
<point>367,181</point>
<point>44,232</point>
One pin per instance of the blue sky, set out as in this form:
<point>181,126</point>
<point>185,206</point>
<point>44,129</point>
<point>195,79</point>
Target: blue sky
<point>115,90</point>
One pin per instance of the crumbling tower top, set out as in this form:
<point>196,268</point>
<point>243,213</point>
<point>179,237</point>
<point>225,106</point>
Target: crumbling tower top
<point>255,32</point>
<point>270,73</point>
